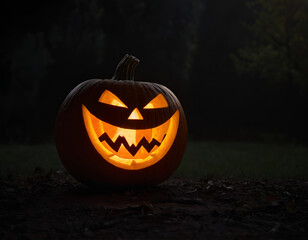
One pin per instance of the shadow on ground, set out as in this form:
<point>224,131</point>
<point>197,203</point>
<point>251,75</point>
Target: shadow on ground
<point>55,206</point>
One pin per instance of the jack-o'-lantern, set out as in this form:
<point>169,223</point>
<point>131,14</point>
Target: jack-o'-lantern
<point>121,132</point>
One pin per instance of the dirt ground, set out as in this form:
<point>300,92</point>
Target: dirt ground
<point>55,206</point>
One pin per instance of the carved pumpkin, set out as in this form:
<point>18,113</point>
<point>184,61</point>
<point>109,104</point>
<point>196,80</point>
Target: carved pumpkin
<point>120,132</point>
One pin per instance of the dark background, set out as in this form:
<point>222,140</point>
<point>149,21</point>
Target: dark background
<point>239,67</point>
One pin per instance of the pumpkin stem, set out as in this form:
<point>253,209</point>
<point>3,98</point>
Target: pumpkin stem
<point>126,68</point>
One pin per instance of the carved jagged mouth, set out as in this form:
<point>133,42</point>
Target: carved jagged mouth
<point>130,149</point>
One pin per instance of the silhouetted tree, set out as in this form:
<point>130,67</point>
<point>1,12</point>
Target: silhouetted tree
<point>45,65</point>
<point>279,52</point>
<point>29,63</point>
<point>278,58</point>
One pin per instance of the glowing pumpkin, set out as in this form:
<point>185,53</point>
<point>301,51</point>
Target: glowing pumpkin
<point>121,132</point>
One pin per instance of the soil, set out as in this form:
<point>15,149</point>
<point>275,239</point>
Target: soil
<point>55,206</point>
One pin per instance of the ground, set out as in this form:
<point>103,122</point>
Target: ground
<point>55,206</point>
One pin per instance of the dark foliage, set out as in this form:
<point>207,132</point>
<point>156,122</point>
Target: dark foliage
<point>48,47</point>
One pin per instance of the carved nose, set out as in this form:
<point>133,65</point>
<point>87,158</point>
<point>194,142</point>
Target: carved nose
<point>135,115</point>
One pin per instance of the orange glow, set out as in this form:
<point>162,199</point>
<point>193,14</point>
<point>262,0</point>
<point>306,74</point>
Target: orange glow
<point>158,102</point>
<point>122,157</point>
<point>135,115</point>
<point>111,99</point>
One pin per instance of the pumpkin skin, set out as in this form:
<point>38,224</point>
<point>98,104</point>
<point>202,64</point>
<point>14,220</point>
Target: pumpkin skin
<point>96,118</point>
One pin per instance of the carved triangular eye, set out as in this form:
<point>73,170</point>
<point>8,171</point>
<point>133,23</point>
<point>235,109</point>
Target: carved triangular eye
<point>109,98</point>
<point>158,102</point>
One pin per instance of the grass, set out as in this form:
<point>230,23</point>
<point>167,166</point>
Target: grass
<point>242,159</point>
<point>237,159</point>
<point>23,159</point>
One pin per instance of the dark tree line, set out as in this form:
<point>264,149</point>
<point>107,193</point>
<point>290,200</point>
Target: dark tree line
<point>234,80</point>
<point>276,60</point>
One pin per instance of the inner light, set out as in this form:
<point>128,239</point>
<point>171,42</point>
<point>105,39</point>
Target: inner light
<point>158,102</point>
<point>163,134</point>
<point>135,115</point>
<point>109,98</point>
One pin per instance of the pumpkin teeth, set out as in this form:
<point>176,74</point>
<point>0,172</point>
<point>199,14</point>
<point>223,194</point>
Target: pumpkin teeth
<point>132,136</point>
<point>132,149</point>
<point>136,143</point>
<point>159,139</point>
